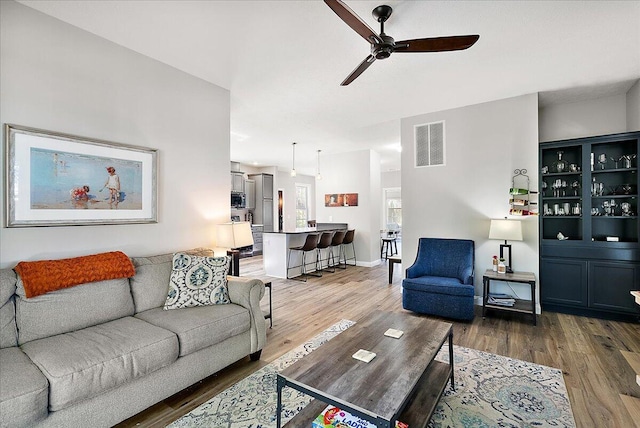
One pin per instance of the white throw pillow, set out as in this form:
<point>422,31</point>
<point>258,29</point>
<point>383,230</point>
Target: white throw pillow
<point>197,281</point>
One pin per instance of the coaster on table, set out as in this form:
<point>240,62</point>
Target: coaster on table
<point>364,355</point>
<point>392,332</point>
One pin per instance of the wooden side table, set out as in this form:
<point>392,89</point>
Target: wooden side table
<point>269,315</point>
<point>521,305</point>
<point>393,260</point>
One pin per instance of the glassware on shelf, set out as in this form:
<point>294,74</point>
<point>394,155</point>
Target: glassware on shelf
<point>602,160</point>
<point>626,189</point>
<point>615,161</point>
<point>613,205</point>
<point>626,209</point>
<point>575,185</point>
<point>595,211</point>
<point>597,189</point>
<point>564,187</point>
<point>626,160</point>
<point>574,167</point>
<point>576,209</point>
<point>544,188</point>
<point>607,208</point>
<point>561,165</point>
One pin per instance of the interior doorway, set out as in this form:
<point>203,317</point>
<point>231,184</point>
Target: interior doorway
<point>392,216</point>
<point>280,210</point>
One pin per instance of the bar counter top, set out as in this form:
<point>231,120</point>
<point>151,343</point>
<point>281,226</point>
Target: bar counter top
<point>321,227</point>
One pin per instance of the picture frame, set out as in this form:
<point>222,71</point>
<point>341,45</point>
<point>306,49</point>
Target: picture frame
<point>341,200</point>
<point>56,179</point>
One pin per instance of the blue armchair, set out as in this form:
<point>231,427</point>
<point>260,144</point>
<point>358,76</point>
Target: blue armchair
<point>440,281</point>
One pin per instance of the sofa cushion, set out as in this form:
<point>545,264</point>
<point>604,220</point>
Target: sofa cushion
<point>438,285</point>
<point>71,309</point>
<point>198,281</point>
<point>87,362</point>
<point>23,390</point>
<point>202,326</point>
<point>150,284</point>
<point>8,332</point>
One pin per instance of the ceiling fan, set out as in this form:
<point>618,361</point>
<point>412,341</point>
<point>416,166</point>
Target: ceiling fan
<point>382,46</point>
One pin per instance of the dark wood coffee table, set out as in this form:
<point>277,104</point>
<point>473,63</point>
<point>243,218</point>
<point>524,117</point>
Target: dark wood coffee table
<point>403,382</point>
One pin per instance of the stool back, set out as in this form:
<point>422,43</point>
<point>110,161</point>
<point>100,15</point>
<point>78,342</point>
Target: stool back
<point>325,240</point>
<point>348,237</point>
<point>338,237</point>
<point>311,242</point>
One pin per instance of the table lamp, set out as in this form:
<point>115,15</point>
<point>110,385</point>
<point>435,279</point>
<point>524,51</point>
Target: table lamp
<point>234,235</point>
<point>507,230</point>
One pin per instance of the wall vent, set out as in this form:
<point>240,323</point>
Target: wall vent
<point>429,144</point>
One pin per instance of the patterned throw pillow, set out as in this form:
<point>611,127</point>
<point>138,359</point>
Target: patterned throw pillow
<point>198,281</point>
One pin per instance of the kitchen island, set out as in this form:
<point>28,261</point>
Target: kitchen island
<point>275,249</point>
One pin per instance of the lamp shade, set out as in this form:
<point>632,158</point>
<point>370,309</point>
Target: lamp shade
<point>234,235</point>
<point>509,230</point>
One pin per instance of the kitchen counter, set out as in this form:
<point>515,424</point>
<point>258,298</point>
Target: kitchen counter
<point>275,251</point>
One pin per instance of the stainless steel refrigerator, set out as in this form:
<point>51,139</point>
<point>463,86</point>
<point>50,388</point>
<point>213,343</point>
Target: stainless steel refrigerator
<point>263,212</point>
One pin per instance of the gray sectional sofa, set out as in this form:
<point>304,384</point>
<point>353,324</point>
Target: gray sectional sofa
<point>98,353</point>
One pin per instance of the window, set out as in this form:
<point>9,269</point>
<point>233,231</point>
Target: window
<point>393,208</point>
<point>302,205</point>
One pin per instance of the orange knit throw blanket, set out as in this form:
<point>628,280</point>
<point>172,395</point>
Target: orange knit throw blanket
<point>43,276</point>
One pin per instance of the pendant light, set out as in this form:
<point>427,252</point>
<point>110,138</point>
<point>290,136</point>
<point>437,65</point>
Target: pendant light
<point>293,164</point>
<point>318,176</point>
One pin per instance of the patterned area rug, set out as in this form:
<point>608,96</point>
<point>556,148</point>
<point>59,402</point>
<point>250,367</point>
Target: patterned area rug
<point>491,391</point>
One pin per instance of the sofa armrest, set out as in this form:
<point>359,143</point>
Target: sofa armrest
<point>247,292</point>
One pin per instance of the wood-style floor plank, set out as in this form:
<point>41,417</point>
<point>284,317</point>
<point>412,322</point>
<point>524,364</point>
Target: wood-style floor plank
<point>587,350</point>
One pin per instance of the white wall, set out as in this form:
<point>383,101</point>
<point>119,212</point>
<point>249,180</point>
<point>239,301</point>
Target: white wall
<point>633,107</point>
<point>354,172</point>
<point>484,144</point>
<point>390,179</point>
<point>57,77</point>
<point>599,116</point>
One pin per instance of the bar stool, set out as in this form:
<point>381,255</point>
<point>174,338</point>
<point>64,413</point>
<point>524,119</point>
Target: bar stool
<point>338,237</point>
<point>387,247</point>
<point>324,244</point>
<point>348,240</point>
<point>310,244</point>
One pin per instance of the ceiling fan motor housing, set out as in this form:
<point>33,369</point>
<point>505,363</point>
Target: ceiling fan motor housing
<point>385,49</point>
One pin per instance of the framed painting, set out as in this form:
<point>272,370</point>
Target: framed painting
<point>341,200</point>
<point>55,179</point>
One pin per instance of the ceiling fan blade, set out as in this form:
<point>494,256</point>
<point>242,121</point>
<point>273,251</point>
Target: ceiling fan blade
<point>359,70</point>
<point>353,21</point>
<point>437,44</point>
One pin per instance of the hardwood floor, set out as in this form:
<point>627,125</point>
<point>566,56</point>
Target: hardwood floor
<point>587,350</point>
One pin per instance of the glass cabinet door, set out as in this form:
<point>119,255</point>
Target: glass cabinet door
<point>561,193</point>
<point>614,191</point>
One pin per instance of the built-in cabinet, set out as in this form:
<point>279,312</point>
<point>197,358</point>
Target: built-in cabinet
<point>589,223</point>
<point>237,181</point>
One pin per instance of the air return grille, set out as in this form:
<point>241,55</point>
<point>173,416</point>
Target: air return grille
<point>429,142</point>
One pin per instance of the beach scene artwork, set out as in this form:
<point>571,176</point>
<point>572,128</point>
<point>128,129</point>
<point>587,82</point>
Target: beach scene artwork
<point>66,180</point>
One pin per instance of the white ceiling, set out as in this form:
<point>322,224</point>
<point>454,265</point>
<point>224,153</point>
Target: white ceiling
<point>283,62</point>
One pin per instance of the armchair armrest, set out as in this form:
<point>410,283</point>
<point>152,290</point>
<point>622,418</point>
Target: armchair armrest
<point>247,292</point>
